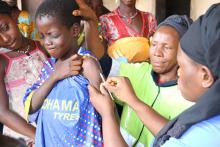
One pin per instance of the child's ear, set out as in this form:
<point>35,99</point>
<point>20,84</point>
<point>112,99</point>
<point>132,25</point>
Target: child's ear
<point>75,29</point>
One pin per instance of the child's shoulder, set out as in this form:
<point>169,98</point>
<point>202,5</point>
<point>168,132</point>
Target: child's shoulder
<point>91,70</point>
<point>89,62</point>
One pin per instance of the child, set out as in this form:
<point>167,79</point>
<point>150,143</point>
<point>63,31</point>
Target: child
<point>19,69</point>
<point>59,101</point>
<point>24,21</point>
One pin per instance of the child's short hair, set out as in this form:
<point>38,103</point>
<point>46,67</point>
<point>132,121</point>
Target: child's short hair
<point>60,9</point>
<point>5,8</point>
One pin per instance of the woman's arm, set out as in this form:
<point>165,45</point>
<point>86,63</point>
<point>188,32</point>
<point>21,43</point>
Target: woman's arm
<point>110,127</point>
<point>111,132</point>
<point>123,89</point>
<point>149,117</point>
<point>92,39</point>
<point>10,118</point>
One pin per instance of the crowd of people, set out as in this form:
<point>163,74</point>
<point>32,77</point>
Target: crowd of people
<point>164,78</point>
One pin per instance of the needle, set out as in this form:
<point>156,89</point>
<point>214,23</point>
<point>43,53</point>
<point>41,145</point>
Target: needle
<point>103,80</point>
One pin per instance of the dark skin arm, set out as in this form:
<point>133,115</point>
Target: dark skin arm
<point>63,69</point>
<point>92,70</point>
<point>146,113</point>
<point>92,39</point>
<point>111,130</point>
<point>110,127</point>
<point>124,91</point>
<point>7,116</point>
<point>122,88</point>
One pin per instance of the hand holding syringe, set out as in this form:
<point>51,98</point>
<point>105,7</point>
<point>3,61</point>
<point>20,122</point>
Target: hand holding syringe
<point>103,80</point>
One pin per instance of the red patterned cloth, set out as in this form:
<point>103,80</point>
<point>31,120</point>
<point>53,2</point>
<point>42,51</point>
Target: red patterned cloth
<point>114,28</point>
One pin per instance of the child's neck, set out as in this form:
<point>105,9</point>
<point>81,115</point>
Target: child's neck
<point>74,49</point>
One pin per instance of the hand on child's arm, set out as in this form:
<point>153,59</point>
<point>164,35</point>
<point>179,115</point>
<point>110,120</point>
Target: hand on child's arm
<point>63,69</point>
<point>69,67</point>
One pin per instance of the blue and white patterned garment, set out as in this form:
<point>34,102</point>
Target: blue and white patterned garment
<point>67,117</point>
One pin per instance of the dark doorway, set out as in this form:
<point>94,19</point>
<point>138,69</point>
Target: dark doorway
<point>165,8</point>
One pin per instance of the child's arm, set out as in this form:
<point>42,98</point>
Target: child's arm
<point>63,69</point>
<point>41,93</point>
<point>92,70</point>
<point>8,117</point>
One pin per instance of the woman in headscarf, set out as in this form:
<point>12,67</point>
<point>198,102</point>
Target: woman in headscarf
<point>199,62</point>
<point>155,85</point>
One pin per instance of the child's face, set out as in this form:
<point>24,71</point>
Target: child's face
<point>56,37</point>
<point>10,36</point>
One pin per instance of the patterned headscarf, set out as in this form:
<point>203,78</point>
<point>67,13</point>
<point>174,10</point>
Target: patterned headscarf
<point>179,22</point>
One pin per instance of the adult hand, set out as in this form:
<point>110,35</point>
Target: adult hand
<point>122,88</point>
<point>69,67</point>
<point>85,11</point>
<point>101,101</point>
